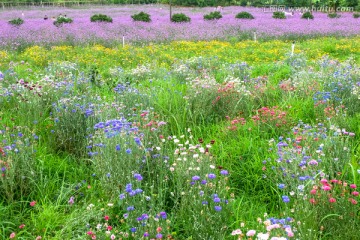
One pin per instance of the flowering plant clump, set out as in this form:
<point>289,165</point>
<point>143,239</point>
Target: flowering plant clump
<point>270,228</point>
<point>273,117</point>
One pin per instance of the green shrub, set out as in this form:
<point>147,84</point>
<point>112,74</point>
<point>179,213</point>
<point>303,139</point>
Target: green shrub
<point>244,15</point>
<point>16,21</point>
<point>334,15</point>
<point>307,15</point>
<point>100,18</point>
<point>356,15</point>
<point>243,3</point>
<point>213,15</point>
<point>142,17</point>
<point>257,4</point>
<point>279,15</point>
<point>180,17</point>
<point>61,20</point>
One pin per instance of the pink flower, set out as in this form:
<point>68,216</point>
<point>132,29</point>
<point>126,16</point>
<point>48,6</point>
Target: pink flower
<point>323,181</point>
<point>353,201</point>
<point>352,186</point>
<point>38,238</point>
<point>89,233</point>
<point>12,235</point>
<point>355,193</point>
<point>313,191</point>
<point>236,232</point>
<point>106,218</point>
<point>312,201</point>
<point>251,233</point>
<point>112,236</point>
<point>326,188</point>
<point>109,228</point>
<point>32,203</point>
<point>158,229</point>
<point>334,180</point>
<point>22,226</point>
<point>332,200</point>
<point>93,236</point>
<point>71,200</point>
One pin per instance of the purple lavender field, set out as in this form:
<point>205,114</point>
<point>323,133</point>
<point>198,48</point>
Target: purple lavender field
<point>38,31</point>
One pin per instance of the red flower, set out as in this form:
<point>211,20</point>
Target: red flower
<point>32,203</point>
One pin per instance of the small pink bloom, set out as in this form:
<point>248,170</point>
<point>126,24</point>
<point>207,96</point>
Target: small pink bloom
<point>89,233</point>
<point>22,226</point>
<point>236,232</point>
<point>93,236</point>
<point>332,200</point>
<point>12,235</point>
<point>313,191</point>
<point>334,180</point>
<point>106,218</point>
<point>323,181</point>
<point>38,238</point>
<point>326,188</point>
<point>71,200</point>
<point>109,228</point>
<point>158,229</point>
<point>251,233</point>
<point>352,186</point>
<point>32,203</point>
<point>353,201</point>
<point>345,184</point>
<point>355,193</point>
<point>290,234</point>
<point>112,236</point>
<point>312,201</point>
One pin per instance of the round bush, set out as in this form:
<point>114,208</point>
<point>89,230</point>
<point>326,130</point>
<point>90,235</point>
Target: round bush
<point>307,15</point>
<point>100,18</point>
<point>16,21</point>
<point>356,15</point>
<point>244,15</point>
<point>334,15</point>
<point>61,20</point>
<point>279,15</point>
<point>213,15</point>
<point>180,17</point>
<point>142,17</point>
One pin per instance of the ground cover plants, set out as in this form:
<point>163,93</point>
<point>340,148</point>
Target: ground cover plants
<point>180,140</point>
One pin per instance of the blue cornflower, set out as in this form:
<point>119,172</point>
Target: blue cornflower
<point>281,186</point>
<point>203,182</point>
<point>163,215</point>
<point>138,177</point>
<point>122,196</point>
<point>224,172</point>
<point>108,175</point>
<point>217,200</point>
<point>211,176</point>
<point>285,199</point>
<point>117,147</point>
<point>204,203</point>
<point>217,208</point>
<point>128,187</point>
<point>195,178</point>
<point>133,229</point>
<point>159,236</point>
<point>128,151</point>
<point>130,208</point>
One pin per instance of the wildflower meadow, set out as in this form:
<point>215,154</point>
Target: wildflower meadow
<point>116,128</point>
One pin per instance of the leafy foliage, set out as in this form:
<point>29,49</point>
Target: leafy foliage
<point>180,17</point>
<point>16,21</point>
<point>307,15</point>
<point>142,17</point>
<point>61,20</point>
<point>334,15</point>
<point>100,18</point>
<point>356,15</point>
<point>279,15</point>
<point>213,15</point>
<point>244,15</point>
